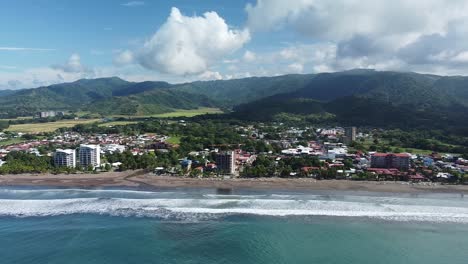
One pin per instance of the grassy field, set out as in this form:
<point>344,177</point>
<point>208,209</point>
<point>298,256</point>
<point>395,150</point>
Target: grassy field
<point>11,141</point>
<point>48,127</point>
<point>117,123</point>
<point>177,113</point>
<point>173,140</point>
<point>190,113</point>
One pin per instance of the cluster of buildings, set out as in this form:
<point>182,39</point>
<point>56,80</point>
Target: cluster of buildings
<point>330,146</point>
<point>225,162</point>
<point>47,114</point>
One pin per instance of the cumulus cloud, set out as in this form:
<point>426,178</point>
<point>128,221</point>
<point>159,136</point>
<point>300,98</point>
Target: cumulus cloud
<point>414,35</point>
<point>186,45</point>
<point>73,65</point>
<point>249,56</point>
<point>210,75</point>
<point>40,76</point>
<point>295,68</point>
<point>124,58</point>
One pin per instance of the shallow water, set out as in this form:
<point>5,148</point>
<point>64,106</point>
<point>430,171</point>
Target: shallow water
<point>201,226</point>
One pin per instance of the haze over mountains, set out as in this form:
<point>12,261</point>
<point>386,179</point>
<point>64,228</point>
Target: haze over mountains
<point>359,96</point>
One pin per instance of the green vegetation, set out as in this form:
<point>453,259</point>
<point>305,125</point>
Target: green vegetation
<point>21,162</point>
<point>414,141</point>
<point>4,125</point>
<point>133,162</point>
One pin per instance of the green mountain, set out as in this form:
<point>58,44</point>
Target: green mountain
<point>237,91</point>
<point>365,97</point>
<point>357,96</point>
<point>79,95</point>
<point>116,96</point>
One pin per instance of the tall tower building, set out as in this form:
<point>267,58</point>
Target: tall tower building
<point>65,158</point>
<point>226,163</point>
<point>350,135</point>
<point>90,155</point>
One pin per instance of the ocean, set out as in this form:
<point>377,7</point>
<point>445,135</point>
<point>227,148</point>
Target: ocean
<point>46,225</point>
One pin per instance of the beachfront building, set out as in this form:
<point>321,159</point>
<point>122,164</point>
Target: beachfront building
<point>65,158</point>
<point>90,155</point>
<point>399,161</point>
<point>226,162</point>
<point>349,135</point>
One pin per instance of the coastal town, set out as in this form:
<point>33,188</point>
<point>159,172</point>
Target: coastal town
<point>265,150</point>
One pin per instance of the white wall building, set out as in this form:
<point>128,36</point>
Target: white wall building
<point>90,155</point>
<point>65,158</point>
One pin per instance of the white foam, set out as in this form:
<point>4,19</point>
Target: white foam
<point>186,208</point>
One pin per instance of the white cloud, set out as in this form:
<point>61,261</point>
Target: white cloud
<point>73,65</point>
<point>295,68</point>
<point>40,76</point>
<point>342,19</point>
<point>414,35</point>
<point>124,58</point>
<point>190,45</point>
<point>249,56</point>
<point>23,49</point>
<point>461,57</point>
<point>210,75</point>
<point>133,3</point>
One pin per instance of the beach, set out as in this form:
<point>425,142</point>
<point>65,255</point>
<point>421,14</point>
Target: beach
<point>142,179</point>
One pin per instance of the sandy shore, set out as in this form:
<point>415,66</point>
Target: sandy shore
<point>140,179</point>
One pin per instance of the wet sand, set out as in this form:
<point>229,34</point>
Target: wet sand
<point>141,179</point>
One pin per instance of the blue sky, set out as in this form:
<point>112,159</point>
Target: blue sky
<point>49,41</point>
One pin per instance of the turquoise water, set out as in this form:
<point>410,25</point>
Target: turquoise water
<point>201,226</point>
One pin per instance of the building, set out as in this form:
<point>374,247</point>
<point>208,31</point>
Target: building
<point>90,155</point>
<point>390,160</point>
<point>226,162</point>
<point>47,114</point>
<point>186,164</point>
<point>65,158</point>
<point>349,135</point>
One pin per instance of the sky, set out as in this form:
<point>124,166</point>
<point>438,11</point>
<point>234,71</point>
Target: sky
<point>43,42</point>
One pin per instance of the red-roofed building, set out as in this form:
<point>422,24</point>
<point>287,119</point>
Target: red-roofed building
<point>309,169</point>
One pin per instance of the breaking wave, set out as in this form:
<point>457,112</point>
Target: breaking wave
<point>190,206</point>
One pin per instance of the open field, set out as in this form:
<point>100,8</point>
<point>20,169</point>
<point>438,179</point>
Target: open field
<point>48,127</point>
<point>190,113</point>
<point>177,113</point>
<point>173,140</point>
<point>117,123</point>
<point>11,141</point>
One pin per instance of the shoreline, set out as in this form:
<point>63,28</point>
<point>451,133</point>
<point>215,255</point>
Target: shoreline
<point>138,179</point>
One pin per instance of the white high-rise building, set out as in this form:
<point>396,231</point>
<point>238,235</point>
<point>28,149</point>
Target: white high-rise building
<point>65,158</point>
<point>90,155</point>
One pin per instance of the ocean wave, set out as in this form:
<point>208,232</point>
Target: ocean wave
<point>80,193</point>
<point>200,209</point>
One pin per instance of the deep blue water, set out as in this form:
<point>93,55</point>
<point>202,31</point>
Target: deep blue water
<point>200,226</point>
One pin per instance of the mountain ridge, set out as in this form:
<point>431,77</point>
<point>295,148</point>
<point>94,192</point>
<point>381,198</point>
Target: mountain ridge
<point>113,95</point>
